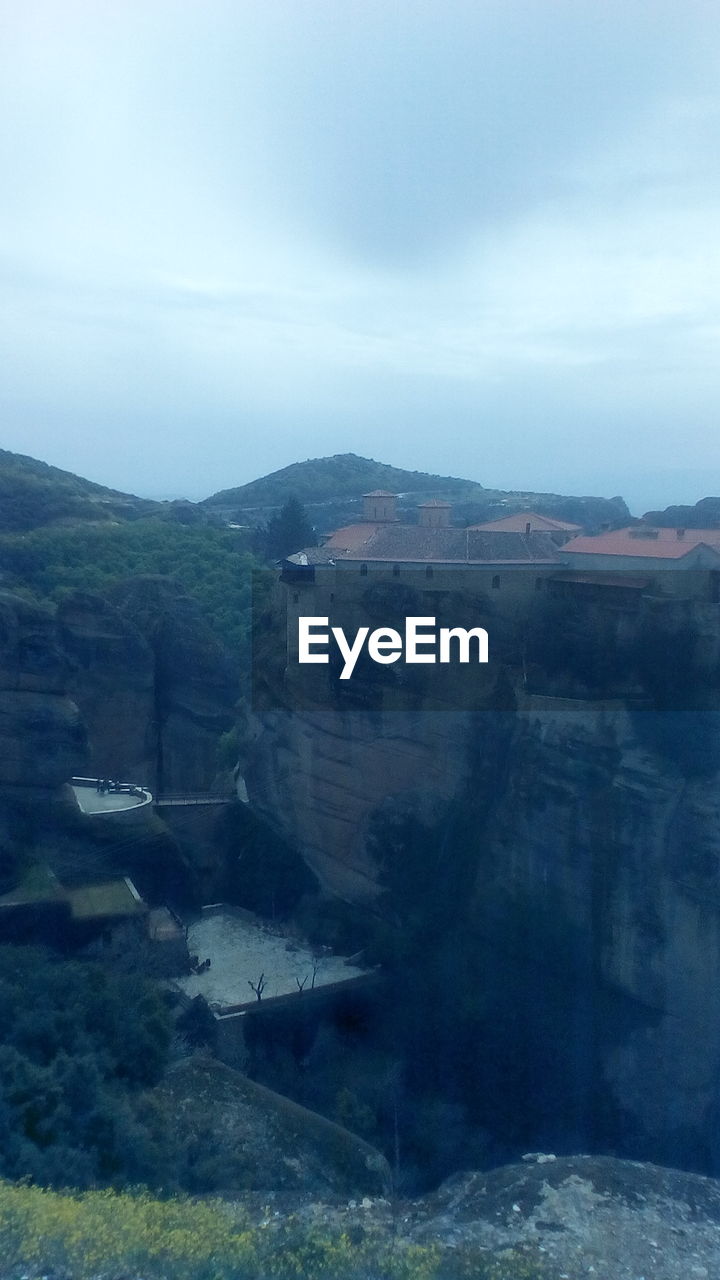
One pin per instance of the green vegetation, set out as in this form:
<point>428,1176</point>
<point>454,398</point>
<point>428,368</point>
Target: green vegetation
<point>33,493</point>
<point>211,564</point>
<point>79,1048</point>
<point>288,531</point>
<point>343,475</point>
<point>110,1234</point>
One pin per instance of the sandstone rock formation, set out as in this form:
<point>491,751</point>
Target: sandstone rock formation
<point>568,828</point>
<point>153,683</point>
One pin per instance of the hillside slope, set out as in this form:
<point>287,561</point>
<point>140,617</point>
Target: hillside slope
<point>33,493</point>
<point>331,490</point>
<point>344,475</point>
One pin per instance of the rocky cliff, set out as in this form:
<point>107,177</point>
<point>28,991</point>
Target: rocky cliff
<point>44,743</point>
<point>153,683</point>
<point>572,850</point>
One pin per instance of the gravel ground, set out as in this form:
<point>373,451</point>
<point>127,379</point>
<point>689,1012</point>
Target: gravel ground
<point>241,949</point>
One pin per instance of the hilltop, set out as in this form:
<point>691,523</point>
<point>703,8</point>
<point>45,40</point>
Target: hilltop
<point>704,515</point>
<point>331,489</point>
<point>33,493</point>
<point>344,475</point>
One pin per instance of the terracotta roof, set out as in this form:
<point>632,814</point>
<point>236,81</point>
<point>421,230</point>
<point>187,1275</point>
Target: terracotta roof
<point>379,493</point>
<point>659,544</point>
<point>435,502</point>
<point>540,524</point>
<point>415,544</point>
<point>353,535</point>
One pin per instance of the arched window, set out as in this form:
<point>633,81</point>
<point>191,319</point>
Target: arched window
<point>496,582</point>
<point>363,570</point>
<point>396,571</point>
<point>428,571</point>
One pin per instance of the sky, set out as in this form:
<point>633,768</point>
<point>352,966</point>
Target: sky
<point>470,237</point>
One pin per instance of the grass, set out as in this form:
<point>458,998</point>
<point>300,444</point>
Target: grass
<point>109,1235</point>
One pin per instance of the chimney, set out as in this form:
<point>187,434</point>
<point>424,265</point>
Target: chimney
<point>680,533</point>
<point>527,528</point>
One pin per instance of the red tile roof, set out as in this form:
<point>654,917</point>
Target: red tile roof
<point>353,536</point>
<point>415,544</point>
<point>538,524</point>
<point>659,544</point>
<point>379,493</point>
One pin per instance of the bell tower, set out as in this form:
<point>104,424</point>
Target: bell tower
<point>379,506</point>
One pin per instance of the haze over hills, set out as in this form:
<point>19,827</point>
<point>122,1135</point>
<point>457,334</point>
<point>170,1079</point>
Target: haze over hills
<point>33,493</point>
<point>342,475</point>
<point>705,514</point>
<point>331,489</point>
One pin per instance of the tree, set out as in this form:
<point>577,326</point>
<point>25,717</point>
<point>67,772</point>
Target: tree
<point>290,530</point>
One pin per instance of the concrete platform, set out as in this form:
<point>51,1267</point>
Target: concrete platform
<point>90,800</point>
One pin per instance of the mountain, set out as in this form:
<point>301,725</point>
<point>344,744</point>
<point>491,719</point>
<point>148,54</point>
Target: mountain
<point>704,515</point>
<point>344,475</point>
<point>331,490</point>
<point>33,493</point>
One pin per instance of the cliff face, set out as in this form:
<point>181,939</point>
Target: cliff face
<point>42,738</point>
<point>153,684</point>
<point>112,677</point>
<point>88,650</point>
<point>580,865</point>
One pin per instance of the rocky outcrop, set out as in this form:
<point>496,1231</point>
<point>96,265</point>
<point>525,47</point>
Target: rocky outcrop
<point>577,853</point>
<point>579,1215</point>
<point>42,738</point>
<point>44,743</point>
<point>195,684</point>
<point>154,685</point>
<point>594,826</point>
<point>113,680</point>
<point>248,1137</point>
<point>324,778</point>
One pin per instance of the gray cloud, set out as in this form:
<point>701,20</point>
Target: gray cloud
<point>470,237</point>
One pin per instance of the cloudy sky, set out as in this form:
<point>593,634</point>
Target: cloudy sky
<point>479,237</point>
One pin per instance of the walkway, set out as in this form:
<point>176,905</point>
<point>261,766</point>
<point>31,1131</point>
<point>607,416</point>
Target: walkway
<point>123,796</point>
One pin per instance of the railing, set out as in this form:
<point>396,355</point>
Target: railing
<point>106,787</point>
<point>193,798</point>
<point>111,788</point>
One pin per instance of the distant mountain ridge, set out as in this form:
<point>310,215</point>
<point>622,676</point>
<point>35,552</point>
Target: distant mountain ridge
<point>344,475</point>
<point>34,494</point>
<point>704,515</point>
<point>331,490</point>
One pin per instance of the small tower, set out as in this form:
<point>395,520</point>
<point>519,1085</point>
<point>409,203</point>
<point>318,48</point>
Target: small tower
<point>434,514</point>
<point>379,505</point>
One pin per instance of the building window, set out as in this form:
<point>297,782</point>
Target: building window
<point>538,584</point>
<point>396,571</point>
<point>363,570</point>
<point>428,571</point>
<point>496,582</point>
<point>296,597</point>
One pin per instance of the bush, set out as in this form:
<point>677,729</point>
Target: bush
<point>79,1047</point>
<point>132,1235</point>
